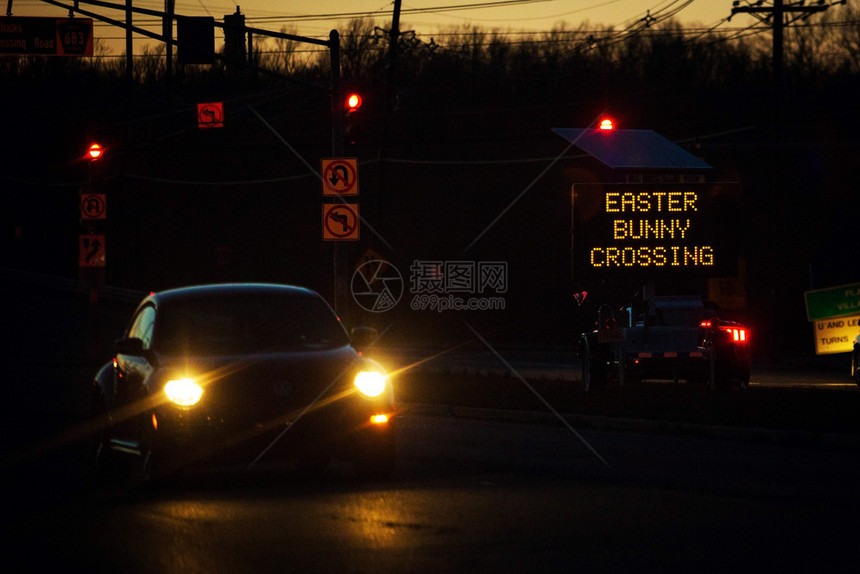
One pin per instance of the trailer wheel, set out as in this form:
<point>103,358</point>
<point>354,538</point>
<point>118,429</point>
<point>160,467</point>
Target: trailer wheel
<point>594,372</point>
<point>855,363</point>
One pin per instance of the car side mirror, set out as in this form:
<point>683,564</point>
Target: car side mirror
<point>363,337</point>
<point>129,346</point>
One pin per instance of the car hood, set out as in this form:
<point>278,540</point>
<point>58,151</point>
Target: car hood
<point>267,385</point>
<point>338,356</point>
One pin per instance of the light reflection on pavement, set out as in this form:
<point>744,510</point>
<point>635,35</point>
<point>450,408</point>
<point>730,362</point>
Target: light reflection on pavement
<point>566,367</point>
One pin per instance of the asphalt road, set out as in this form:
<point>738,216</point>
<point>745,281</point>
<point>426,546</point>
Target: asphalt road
<point>470,495</point>
<point>830,371</point>
<point>502,474</point>
<point>503,466</point>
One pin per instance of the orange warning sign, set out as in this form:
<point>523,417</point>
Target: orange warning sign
<point>340,222</point>
<point>340,176</point>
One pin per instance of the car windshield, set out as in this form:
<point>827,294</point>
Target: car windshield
<point>243,324</point>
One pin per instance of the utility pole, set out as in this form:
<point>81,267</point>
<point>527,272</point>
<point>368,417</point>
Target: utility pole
<point>393,39</point>
<point>388,105</point>
<point>776,13</point>
<point>167,32</point>
<point>129,44</point>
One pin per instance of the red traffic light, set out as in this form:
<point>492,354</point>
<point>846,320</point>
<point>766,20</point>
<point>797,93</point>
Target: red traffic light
<point>606,124</point>
<point>353,102</point>
<point>95,151</point>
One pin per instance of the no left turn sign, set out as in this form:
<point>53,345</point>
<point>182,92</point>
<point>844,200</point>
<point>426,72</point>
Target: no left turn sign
<point>210,115</point>
<point>340,222</point>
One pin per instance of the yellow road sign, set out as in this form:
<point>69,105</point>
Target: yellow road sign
<point>340,221</point>
<point>93,206</point>
<point>340,176</point>
<point>836,335</point>
<point>91,250</point>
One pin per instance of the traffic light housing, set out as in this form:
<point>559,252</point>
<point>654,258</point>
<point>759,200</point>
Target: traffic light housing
<point>352,122</point>
<point>353,102</point>
<point>234,37</point>
<point>95,151</point>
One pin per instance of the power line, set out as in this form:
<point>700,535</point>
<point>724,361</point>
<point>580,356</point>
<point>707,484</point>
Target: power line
<point>776,14</point>
<point>646,26</point>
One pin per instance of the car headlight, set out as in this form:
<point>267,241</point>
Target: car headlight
<point>183,392</point>
<point>370,383</point>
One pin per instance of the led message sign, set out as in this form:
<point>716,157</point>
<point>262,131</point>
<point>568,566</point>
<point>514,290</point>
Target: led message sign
<point>654,228</point>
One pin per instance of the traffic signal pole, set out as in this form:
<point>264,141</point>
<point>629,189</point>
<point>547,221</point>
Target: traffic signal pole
<point>339,295</point>
<point>168,16</point>
<point>336,95</point>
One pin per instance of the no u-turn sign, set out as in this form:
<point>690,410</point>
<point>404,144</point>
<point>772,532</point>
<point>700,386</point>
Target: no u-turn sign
<point>93,206</point>
<point>340,176</point>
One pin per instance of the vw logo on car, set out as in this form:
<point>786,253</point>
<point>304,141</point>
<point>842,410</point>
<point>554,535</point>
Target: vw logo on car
<point>282,389</point>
